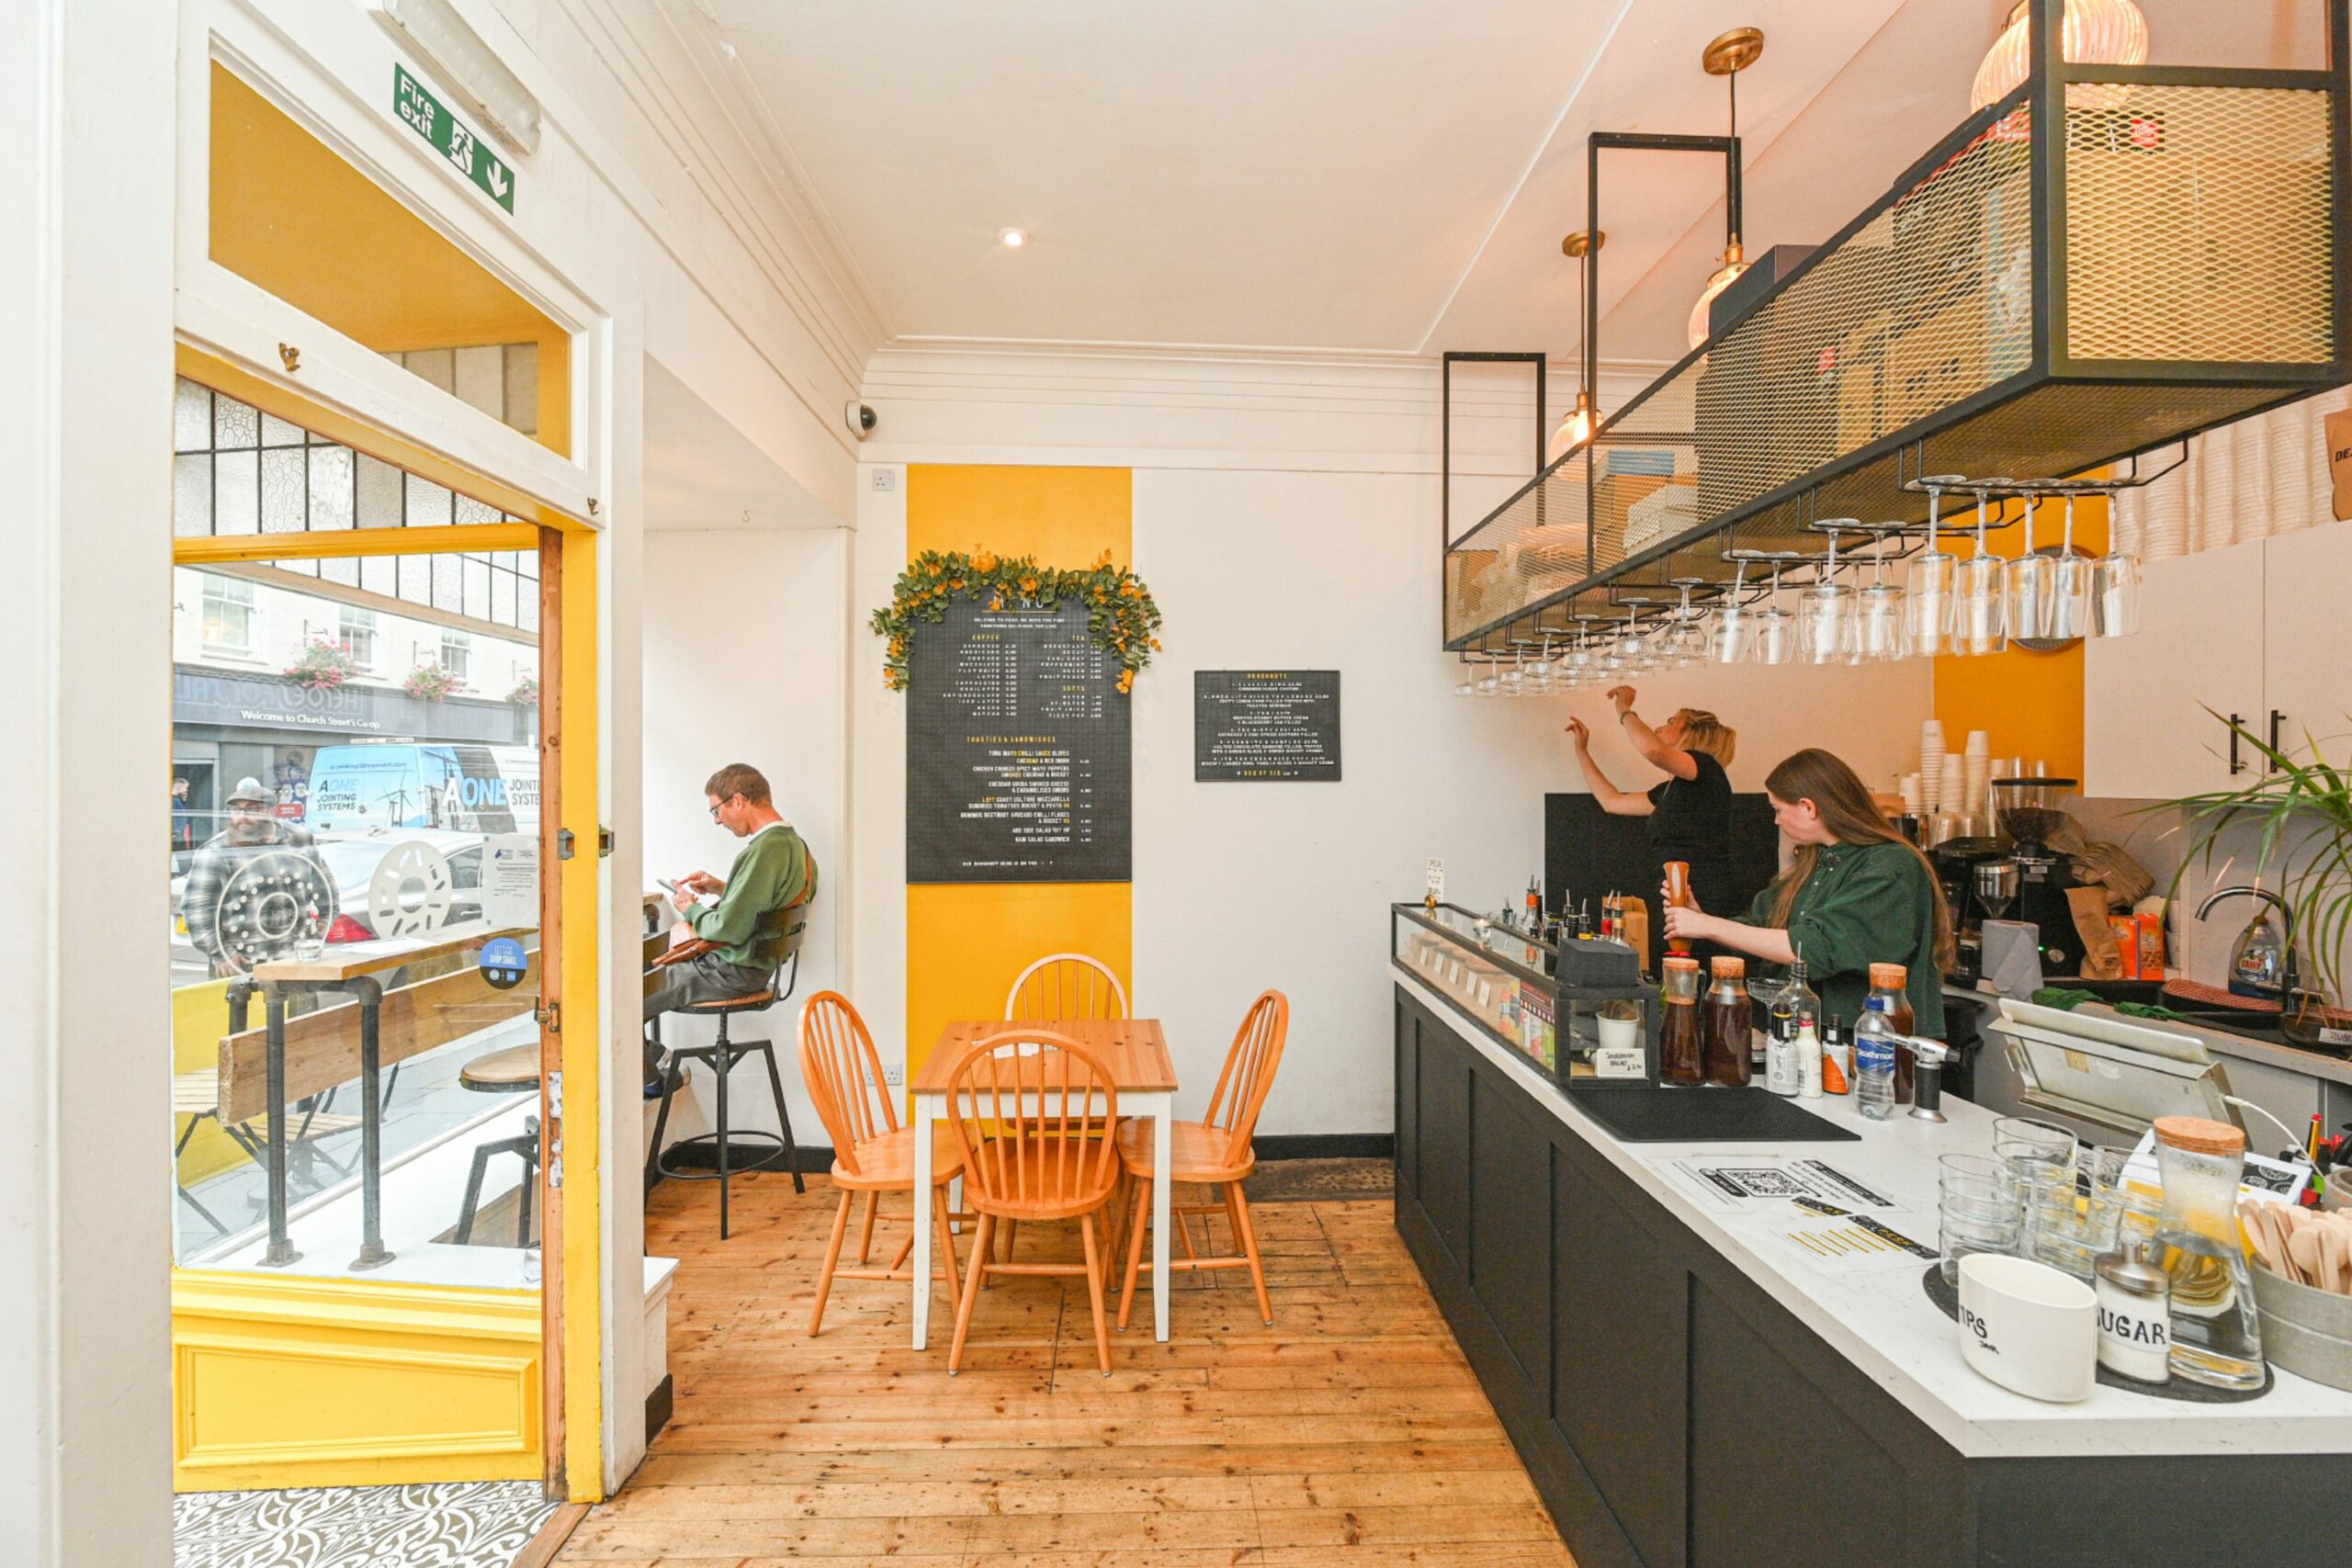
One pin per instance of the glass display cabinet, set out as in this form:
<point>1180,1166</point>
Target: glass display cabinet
<point>1578,1010</point>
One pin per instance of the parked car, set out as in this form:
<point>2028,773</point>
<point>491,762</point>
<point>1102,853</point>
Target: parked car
<point>435,880</point>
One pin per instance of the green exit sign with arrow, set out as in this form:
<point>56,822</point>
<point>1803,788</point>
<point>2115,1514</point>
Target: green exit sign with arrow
<point>431,118</point>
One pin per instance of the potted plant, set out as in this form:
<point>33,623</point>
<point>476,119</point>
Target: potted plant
<point>323,666</point>
<point>430,683</point>
<point>2300,805</point>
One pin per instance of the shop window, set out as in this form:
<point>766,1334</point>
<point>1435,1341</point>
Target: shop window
<point>355,632</point>
<point>456,654</point>
<point>290,215</point>
<point>228,613</point>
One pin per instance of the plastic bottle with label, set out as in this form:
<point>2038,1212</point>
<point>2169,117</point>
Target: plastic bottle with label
<point>1874,1045</point>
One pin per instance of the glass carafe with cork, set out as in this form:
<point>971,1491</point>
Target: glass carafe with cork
<point>1729,1026</point>
<point>2216,1332</point>
<point>1680,1053</point>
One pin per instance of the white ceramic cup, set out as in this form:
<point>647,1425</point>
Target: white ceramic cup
<point>1618,1032</point>
<point>2028,1326</point>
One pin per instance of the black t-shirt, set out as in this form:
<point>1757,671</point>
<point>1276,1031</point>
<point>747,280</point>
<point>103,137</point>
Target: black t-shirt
<point>1690,820</point>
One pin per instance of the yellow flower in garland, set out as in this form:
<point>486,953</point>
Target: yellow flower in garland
<point>1120,614</point>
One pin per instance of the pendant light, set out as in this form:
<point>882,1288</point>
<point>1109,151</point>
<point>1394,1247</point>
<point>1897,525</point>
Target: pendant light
<point>1726,57</point>
<point>2096,32</point>
<point>1576,427</point>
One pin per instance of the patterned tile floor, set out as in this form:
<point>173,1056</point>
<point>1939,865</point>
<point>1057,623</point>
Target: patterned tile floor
<point>471,1524</point>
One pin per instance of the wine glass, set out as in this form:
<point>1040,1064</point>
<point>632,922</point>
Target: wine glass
<point>1825,610</point>
<point>2115,596</point>
<point>2032,582</point>
<point>2069,615</point>
<point>1879,624</point>
<point>1732,632</point>
<point>1775,631</point>
<point>1930,609</point>
<point>1980,618</point>
<point>1685,636</point>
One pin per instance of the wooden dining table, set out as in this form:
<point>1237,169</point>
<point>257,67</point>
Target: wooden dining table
<point>1136,1052</point>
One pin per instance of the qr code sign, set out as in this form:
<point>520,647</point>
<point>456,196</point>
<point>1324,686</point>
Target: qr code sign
<point>1769,1183</point>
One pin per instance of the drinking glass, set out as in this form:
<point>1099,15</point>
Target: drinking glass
<point>1731,634</point>
<point>1980,608</point>
<point>1928,607</point>
<point>1775,631</point>
<point>1879,629</point>
<point>2115,596</point>
<point>1826,613</point>
<point>2067,1227</point>
<point>2031,581</point>
<point>2069,615</point>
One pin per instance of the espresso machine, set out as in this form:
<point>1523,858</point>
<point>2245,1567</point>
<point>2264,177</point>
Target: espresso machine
<point>2029,814</point>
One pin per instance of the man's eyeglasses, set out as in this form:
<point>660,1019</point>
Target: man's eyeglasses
<point>714,810</point>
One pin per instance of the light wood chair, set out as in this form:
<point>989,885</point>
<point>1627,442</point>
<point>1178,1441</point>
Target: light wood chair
<point>1213,1152</point>
<point>1022,1101</point>
<point>872,1154</point>
<point>1064,986</point>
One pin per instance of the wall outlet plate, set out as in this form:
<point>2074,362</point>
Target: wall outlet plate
<point>894,1076</point>
<point>886,481</point>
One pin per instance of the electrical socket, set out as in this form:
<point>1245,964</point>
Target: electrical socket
<point>885,480</point>
<point>894,1076</point>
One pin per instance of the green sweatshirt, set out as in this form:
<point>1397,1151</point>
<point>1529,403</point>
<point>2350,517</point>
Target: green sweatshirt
<point>1865,904</point>
<point>771,873</point>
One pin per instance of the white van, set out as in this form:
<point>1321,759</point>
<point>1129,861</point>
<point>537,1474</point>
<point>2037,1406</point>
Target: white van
<point>455,785</point>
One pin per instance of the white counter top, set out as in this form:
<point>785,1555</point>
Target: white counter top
<point>1884,1322</point>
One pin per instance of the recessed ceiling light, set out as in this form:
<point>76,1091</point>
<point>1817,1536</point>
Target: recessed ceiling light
<point>1013,238</point>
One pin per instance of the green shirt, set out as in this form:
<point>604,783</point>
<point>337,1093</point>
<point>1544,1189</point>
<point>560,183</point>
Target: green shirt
<point>771,873</point>
<point>1865,904</point>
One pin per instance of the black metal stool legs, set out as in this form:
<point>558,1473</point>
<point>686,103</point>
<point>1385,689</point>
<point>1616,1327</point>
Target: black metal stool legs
<point>784,1119</point>
<point>724,1142</point>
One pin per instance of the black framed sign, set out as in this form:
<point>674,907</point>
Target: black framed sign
<point>1017,750</point>
<point>1260,725</point>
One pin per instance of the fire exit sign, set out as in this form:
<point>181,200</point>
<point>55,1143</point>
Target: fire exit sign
<point>431,118</point>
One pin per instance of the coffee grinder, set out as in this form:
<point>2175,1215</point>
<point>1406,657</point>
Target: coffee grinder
<point>1961,866</point>
<point>2028,812</point>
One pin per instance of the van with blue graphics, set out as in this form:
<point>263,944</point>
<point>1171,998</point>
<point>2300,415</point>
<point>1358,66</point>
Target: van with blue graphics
<point>464,787</point>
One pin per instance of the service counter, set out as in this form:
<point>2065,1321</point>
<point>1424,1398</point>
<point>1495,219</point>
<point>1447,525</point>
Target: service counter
<point>1691,1386</point>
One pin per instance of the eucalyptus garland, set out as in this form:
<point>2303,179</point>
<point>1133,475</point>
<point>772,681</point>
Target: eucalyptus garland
<point>1120,614</point>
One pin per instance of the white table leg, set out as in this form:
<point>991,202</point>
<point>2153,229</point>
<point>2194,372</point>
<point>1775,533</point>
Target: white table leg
<point>1163,1157</point>
<point>926,1113</point>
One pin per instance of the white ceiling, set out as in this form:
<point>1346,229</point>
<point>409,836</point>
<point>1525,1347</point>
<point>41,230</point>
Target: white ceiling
<point>1361,176</point>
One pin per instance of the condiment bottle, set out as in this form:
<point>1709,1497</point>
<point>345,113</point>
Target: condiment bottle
<point>2134,1313</point>
<point>1729,1023</point>
<point>1889,996</point>
<point>1837,1057</point>
<point>1678,892</point>
<point>1808,1048</point>
<point>1679,1043</point>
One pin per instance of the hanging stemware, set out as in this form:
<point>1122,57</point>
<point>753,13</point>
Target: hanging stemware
<point>1929,609</point>
<point>1732,632</point>
<point>1776,630</point>
<point>2032,583</point>
<point>1826,618</point>
<point>1880,633</point>
<point>1981,607</point>
<point>2070,583</point>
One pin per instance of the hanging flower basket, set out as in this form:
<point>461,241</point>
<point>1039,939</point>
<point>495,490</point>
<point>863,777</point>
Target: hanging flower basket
<point>431,683</point>
<point>323,666</point>
<point>1120,614</point>
<point>525,693</point>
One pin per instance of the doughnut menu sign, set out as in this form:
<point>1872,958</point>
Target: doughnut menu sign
<point>1017,749</point>
<point>1265,725</point>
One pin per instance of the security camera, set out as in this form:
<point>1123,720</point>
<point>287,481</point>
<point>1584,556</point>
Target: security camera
<point>860,417</point>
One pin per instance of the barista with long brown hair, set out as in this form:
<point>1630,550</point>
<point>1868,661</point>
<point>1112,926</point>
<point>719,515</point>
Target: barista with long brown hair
<point>1857,893</point>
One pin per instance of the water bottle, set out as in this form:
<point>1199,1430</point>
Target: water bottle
<point>1875,1038</point>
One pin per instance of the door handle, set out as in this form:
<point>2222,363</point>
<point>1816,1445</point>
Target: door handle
<point>2277,718</point>
<point>2236,765</point>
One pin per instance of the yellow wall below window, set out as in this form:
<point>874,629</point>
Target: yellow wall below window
<point>282,1380</point>
<point>967,942</point>
<point>199,1021</point>
<point>2030,704</point>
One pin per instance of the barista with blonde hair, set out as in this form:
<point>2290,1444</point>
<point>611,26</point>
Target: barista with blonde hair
<point>1690,813</point>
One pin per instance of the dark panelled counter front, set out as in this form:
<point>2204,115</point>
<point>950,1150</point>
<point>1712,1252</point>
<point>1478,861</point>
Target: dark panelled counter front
<point>1673,1415</point>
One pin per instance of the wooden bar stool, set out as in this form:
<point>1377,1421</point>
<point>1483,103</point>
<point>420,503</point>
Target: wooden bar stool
<point>1021,1102</point>
<point>1214,1153</point>
<point>872,1154</point>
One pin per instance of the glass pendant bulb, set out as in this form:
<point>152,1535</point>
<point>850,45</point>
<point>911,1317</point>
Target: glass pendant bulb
<point>2096,32</point>
<point>1572,431</point>
<point>1734,263</point>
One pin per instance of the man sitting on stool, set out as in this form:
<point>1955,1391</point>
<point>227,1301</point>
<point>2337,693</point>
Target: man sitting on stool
<point>772,872</point>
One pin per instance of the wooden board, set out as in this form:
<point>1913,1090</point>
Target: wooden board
<point>1134,1050</point>
<point>322,1048</point>
<point>1351,1433</point>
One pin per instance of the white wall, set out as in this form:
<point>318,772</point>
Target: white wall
<point>745,662</point>
<point>1314,549</point>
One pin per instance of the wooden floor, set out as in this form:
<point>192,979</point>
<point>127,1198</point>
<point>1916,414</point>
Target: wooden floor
<point>1350,1435</point>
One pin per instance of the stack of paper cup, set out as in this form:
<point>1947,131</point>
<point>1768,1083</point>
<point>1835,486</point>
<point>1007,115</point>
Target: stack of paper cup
<point>1951,795</point>
<point>1931,764</point>
<point>1908,787</point>
<point>1977,773</point>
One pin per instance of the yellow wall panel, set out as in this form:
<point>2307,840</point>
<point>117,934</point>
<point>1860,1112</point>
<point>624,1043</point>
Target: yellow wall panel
<point>966,942</point>
<point>200,1020</point>
<point>282,1382</point>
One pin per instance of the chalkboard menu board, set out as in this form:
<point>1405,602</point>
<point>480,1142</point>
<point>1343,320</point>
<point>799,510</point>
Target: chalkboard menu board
<point>1017,749</point>
<point>1265,724</point>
